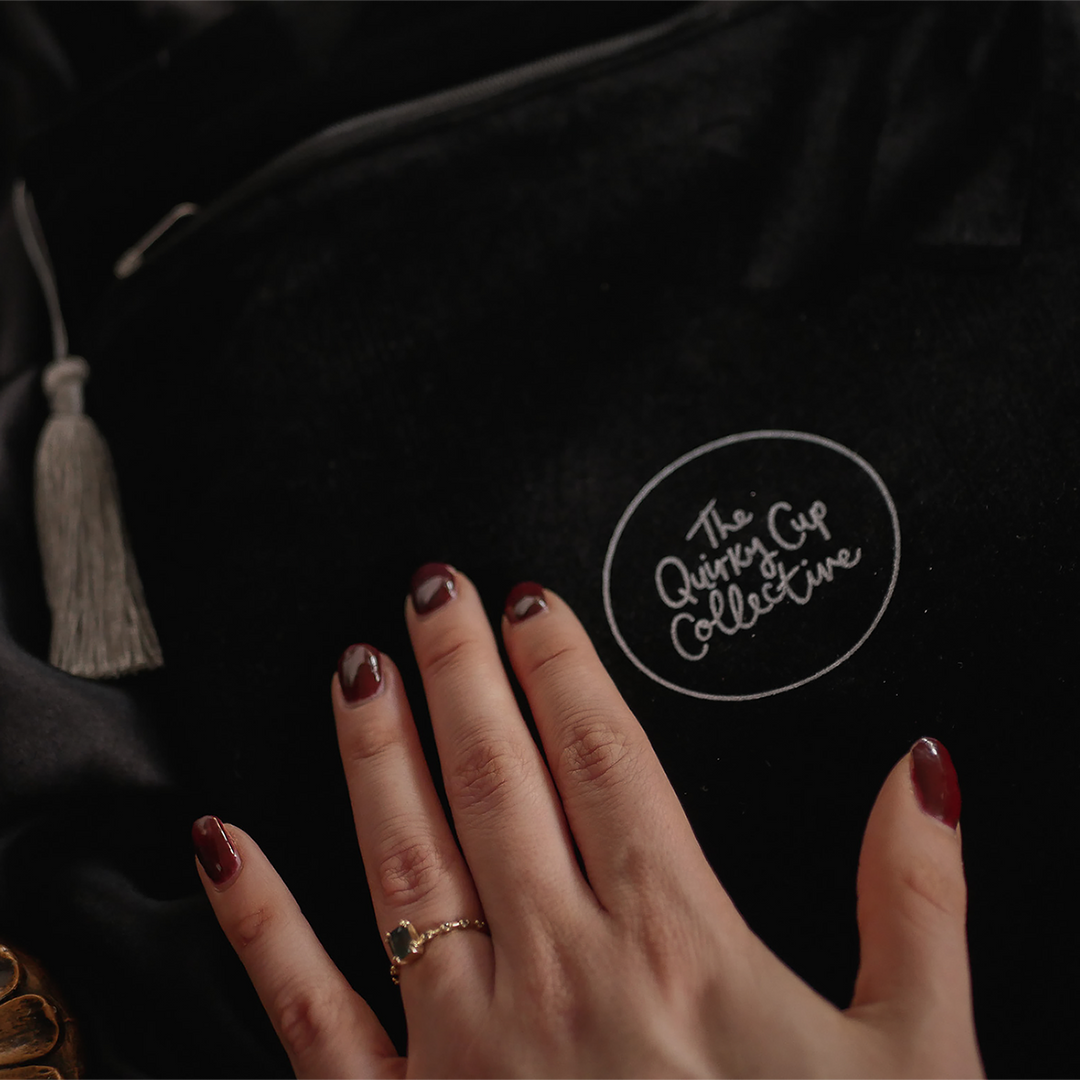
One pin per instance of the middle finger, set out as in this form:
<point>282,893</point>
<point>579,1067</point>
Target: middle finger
<point>508,816</point>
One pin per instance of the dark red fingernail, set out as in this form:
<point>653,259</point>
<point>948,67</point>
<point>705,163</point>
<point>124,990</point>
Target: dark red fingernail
<point>359,673</point>
<point>936,784</point>
<point>525,600</point>
<point>432,586</point>
<point>215,850</point>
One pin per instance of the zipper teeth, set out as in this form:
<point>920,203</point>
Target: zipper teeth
<point>358,131</point>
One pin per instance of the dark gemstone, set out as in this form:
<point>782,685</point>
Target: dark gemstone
<point>400,940</point>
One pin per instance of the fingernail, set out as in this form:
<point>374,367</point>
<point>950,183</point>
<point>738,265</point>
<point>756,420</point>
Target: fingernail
<point>525,600</point>
<point>432,586</point>
<point>359,673</point>
<point>215,850</point>
<point>936,785</point>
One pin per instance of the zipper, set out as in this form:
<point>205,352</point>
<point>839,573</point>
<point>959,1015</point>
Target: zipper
<point>371,127</point>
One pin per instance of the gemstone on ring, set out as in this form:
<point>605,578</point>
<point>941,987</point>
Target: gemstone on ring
<point>404,941</point>
<point>406,944</point>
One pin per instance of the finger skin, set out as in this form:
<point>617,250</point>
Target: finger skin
<point>414,868</point>
<point>325,1027</point>
<point>914,974</point>
<point>506,812</point>
<point>628,823</point>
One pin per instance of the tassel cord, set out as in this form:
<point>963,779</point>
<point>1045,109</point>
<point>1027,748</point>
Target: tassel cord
<point>100,625</point>
<point>38,253</point>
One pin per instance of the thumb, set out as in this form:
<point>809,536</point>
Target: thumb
<point>912,912</point>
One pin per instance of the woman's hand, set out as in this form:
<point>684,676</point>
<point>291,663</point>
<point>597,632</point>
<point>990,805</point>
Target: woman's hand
<point>631,960</point>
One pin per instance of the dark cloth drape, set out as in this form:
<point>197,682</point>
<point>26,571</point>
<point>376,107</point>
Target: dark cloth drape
<point>476,337</point>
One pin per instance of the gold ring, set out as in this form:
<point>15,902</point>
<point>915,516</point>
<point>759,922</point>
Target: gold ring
<point>405,944</point>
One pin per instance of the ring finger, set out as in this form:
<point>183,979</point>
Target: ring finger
<point>414,868</point>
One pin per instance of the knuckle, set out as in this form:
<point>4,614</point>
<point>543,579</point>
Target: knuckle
<point>487,773</point>
<point>306,1017</point>
<point>662,952</point>
<point>449,654</point>
<point>555,991</point>
<point>409,872</point>
<point>937,888</point>
<point>552,974</point>
<point>252,928</point>
<point>549,664</point>
<point>597,754</point>
<point>365,744</point>
<point>644,889</point>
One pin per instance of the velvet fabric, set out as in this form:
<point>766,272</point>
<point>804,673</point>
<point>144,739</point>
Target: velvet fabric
<point>477,340</point>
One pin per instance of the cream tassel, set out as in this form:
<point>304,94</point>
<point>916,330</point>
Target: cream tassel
<point>100,625</point>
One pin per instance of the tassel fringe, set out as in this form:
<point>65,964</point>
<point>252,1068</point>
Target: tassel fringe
<point>101,627</point>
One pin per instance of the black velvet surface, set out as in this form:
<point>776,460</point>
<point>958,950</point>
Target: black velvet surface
<point>477,342</point>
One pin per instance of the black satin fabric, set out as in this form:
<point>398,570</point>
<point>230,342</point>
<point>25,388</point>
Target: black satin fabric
<point>475,341</point>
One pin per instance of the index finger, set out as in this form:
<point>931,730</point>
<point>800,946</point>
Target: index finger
<point>327,1029</point>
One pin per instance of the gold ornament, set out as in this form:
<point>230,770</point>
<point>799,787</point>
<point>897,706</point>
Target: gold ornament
<point>38,1039</point>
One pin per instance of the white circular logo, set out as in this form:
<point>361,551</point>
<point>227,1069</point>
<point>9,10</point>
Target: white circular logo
<point>752,565</point>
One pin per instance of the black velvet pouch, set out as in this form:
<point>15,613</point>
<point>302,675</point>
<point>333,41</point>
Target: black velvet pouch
<point>751,331</point>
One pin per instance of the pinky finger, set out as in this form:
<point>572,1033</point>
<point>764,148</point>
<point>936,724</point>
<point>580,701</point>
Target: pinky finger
<point>327,1029</point>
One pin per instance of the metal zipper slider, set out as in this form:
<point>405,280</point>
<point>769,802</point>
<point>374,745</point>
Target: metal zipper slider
<point>132,259</point>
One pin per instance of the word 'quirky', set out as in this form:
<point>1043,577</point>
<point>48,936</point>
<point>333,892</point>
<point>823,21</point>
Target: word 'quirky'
<point>729,604</point>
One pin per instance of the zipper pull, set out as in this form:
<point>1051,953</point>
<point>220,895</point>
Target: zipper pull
<point>133,258</point>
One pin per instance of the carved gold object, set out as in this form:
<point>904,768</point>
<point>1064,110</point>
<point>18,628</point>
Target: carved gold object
<point>38,1039</point>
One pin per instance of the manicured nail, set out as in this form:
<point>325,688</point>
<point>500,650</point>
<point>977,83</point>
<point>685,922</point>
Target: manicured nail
<point>936,785</point>
<point>215,851</point>
<point>525,600</point>
<point>359,673</point>
<point>432,586</point>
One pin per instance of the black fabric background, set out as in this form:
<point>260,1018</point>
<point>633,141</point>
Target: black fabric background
<point>476,342</point>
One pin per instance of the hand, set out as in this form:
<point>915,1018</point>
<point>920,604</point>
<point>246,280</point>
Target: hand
<point>631,961</point>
